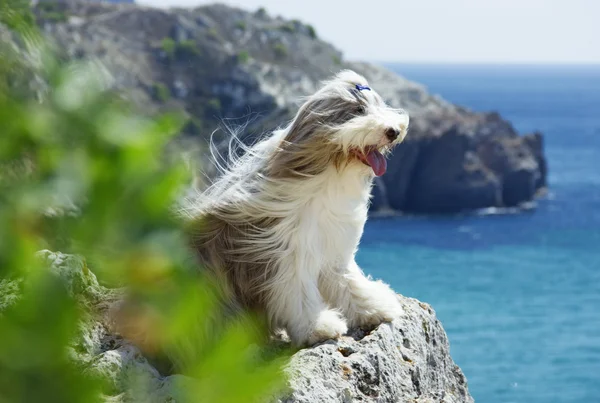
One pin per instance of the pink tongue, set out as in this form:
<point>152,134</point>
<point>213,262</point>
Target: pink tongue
<point>377,162</point>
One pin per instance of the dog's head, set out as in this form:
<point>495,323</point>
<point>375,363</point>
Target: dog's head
<point>345,123</point>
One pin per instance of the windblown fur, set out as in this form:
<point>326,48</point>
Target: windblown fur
<point>280,227</point>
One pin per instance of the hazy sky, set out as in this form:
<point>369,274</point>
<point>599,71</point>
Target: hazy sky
<point>507,31</point>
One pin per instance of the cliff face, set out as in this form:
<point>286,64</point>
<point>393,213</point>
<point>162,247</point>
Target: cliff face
<point>218,62</point>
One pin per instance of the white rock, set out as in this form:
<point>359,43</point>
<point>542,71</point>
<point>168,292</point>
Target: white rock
<point>407,360</point>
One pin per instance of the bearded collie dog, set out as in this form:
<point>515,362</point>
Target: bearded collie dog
<point>279,228</point>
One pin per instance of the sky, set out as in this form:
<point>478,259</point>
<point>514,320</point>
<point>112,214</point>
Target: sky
<point>449,31</point>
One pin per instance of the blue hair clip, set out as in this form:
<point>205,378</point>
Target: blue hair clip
<point>362,87</point>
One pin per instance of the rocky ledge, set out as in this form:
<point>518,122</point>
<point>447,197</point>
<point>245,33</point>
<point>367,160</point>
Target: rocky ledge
<point>404,361</point>
<point>216,62</point>
<point>407,360</point>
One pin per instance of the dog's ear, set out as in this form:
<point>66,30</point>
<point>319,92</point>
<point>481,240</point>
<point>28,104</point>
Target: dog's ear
<point>307,149</point>
<point>303,123</point>
<point>322,115</point>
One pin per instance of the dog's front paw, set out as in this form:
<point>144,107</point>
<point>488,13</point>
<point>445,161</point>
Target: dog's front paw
<point>329,325</point>
<point>383,306</point>
<point>388,311</point>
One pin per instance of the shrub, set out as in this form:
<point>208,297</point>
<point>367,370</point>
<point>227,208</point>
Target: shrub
<point>213,34</point>
<point>289,27</point>
<point>193,126</point>
<point>311,31</point>
<point>161,92</point>
<point>241,25</point>
<point>336,60</point>
<point>280,50</point>
<point>48,6</point>
<point>243,57</point>
<point>51,11</point>
<point>183,49</point>
<point>261,12</point>
<point>54,16</point>
<point>214,105</point>
<point>168,46</point>
<point>187,48</point>
<point>80,146</point>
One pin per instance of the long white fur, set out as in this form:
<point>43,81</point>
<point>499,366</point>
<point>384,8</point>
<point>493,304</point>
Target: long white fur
<point>315,288</point>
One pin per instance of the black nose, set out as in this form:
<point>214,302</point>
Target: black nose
<point>392,134</point>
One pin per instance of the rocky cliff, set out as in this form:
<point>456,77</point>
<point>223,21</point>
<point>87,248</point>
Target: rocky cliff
<point>216,62</point>
<point>404,361</point>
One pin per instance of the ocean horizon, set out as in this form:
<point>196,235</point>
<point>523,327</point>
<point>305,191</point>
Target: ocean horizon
<point>518,294</point>
<point>398,67</point>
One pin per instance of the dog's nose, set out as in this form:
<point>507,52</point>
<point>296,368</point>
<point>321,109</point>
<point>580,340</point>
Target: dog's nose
<point>392,134</point>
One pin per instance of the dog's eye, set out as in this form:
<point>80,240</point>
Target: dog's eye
<point>360,110</point>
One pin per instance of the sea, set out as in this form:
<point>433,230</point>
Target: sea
<point>517,293</point>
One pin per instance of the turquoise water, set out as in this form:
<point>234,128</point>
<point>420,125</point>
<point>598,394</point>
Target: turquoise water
<point>519,295</point>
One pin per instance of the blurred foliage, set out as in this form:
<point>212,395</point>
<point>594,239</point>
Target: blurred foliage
<point>80,172</point>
